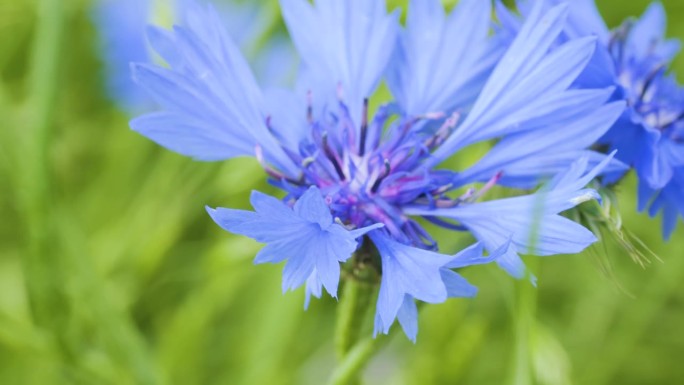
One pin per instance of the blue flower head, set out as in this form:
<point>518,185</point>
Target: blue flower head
<point>354,176</point>
<point>650,135</point>
<point>634,59</point>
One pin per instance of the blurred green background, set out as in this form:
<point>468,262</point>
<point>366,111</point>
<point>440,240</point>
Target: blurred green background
<point>112,273</point>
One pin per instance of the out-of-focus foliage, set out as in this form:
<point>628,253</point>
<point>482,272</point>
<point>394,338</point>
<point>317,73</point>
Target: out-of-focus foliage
<point>112,273</point>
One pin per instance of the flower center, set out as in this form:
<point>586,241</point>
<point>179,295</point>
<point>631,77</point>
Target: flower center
<point>369,174</point>
<point>647,87</point>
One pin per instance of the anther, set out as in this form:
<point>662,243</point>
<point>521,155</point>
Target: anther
<point>432,115</point>
<point>491,183</point>
<point>673,121</point>
<point>444,131</point>
<point>275,174</point>
<point>306,162</point>
<point>467,195</point>
<point>617,41</point>
<point>364,127</point>
<point>650,78</point>
<point>388,170</point>
<point>331,156</point>
<point>446,224</point>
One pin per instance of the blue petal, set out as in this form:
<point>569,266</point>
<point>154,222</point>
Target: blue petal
<point>645,195</point>
<point>276,252</point>
<point>312,207</point>
<point>287,112</point>
<point>406,271</point>
<point>669,200</point>
<point>577,176</point>
<point>626,136</point>
<point>190,136</point>
<point>511,263</point>
<point>456,285</point>
<point>651,164</point>
<point>525,54</point>
<point>210,88</point>
<point>452,283</point>
<point>538,153</point>
<point>650,29</point>
<point>313,288</point>
<point>442,62</point>
<point>337,246</point>
<point>585,19</point>
<point>508,25</point>
<point>469,256</point>
<point>350,41</point>
<point>230,219</point>
<point>163,42</point>
<point>537,233</point>
<point>528,173</point>
<point>276,64</point>
<point>267,205</point>
<point>474,255</point>
<point>531,223</point>
<point>669,223</point>
<point>305,236</point>
<point>526,78</point>
<point>408,317</point>
<point>121,27</point>
<point>245,22</point>
<point>299,266</point>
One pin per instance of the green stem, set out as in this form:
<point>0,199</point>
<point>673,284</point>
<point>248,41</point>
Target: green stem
<point>354,304</point>
<point>358,292</point>
<point>524,326</point>
<point>348,370</point>
<point>525,305</point>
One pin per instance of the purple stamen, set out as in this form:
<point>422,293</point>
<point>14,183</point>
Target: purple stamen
<point>445,224</point>
<point>332,156</point>
<point>364,127</point>
<point>650,78</point>
<point>388,171</point>
<point>491,183</point>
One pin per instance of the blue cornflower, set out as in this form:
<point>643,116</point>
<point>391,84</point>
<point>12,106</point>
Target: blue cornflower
<point>121,26</point>
<point>354,180</point>
<point>650,135</point>
<point>634,58</point>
